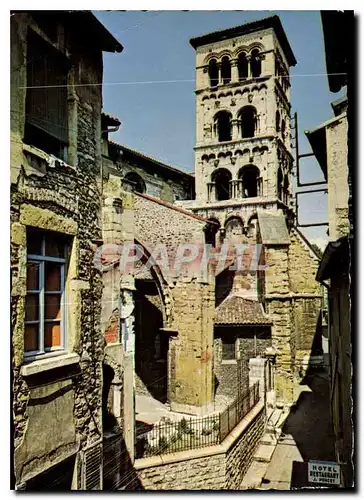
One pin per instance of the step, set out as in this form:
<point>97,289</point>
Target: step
<point>274,418</point>
<point>269,438</point>
<point>264,452</point>
<point>254,476</point>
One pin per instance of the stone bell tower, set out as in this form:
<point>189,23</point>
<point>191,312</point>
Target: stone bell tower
<point>242,153</point>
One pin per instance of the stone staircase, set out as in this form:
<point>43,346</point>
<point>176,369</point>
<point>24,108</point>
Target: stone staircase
<point>265,449</point>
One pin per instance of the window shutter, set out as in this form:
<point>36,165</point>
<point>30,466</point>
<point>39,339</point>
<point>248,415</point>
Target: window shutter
<point>47,106</point>
<point>92,467</point>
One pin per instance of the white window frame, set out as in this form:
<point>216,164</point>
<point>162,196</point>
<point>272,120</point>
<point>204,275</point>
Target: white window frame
<point>41,259</point>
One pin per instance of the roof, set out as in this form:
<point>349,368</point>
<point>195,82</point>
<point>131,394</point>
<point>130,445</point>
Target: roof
<point>273,228</point>
<point>133,152</point>
<point>243,29</point>
<point>88,23</point>
<point>174,207</point>
<point>339,45</point>
<point>237,310</point>
<point>110,120</point>
<point>333,261</point>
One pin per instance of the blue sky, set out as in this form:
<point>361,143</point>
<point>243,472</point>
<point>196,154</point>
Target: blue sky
<point>159,118</point>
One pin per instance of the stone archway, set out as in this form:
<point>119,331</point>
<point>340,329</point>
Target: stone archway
<point>152,316</point>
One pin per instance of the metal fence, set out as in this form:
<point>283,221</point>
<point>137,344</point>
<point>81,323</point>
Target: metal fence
<point>237,410</point>
<point>192,433</point>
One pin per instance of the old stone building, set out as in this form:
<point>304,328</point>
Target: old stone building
<point>60,372</point>
<point>142,173</point>
<point>332,144</point>
<point>243,171</point>
<point>174,325</point>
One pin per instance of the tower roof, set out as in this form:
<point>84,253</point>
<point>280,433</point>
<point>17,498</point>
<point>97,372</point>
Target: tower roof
<point>243,29</point>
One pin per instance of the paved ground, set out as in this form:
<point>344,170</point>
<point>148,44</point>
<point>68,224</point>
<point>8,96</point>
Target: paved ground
<point>150,411</point>
<point>306,435</point>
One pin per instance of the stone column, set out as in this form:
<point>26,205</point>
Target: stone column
<point>211,191</point>
<point>235,129</point>
<point>234,71</point>
<point>220,75</point>
<point>248,58</point>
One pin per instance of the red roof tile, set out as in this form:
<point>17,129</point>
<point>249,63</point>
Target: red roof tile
<point>237,310</point>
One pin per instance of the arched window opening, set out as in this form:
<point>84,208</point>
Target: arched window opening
<point>279,184</point>
<point>249,176</point>
<point>242,66</point>
<point>234,229</point>
<point>211,230</point>
<point>248,121</point>
<point>225,70</point>
<point>134,183</point>
<point>255,64</point>
<point>286,189</point>
<point>222,178</point>
<point>278,120</point>
<point>222,126</point>
<point>213,73</point>
<point>283,129</point>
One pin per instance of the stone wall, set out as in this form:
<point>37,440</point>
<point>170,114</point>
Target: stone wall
<point>162,181</point>
<point>57,401</point>
<point>213,468</point>
<point>337,178</point>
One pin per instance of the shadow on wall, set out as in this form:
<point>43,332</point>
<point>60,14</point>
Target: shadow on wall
<point>309,421</point>
<point>118,471</point>
<point>151,347</point>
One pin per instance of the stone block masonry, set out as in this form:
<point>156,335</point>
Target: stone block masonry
<point>219,467</point>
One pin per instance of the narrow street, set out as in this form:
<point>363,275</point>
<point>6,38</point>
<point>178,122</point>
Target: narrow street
<point>306,435</point>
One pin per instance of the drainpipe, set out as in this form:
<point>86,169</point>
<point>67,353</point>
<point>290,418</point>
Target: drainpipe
<point>107,130</point>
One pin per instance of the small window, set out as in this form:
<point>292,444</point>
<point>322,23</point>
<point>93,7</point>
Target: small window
<point>228,348</point>
<point>46,120</point>
<point>225,70</point>
<point>45,299</point>
<point>213,73</point>
<point>133,182</point>
<point>255,64</point>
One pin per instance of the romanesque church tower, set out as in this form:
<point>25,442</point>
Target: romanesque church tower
<point>243,181</point>
<point>242,153</point>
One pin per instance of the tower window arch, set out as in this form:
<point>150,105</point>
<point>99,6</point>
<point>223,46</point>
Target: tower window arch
<point>255,64</point>
<point>222,180</point>
<point>249,176</point>
<point>134,182</point>
<point>242,66</point>
<point>213,73</point>
<point>283,128</point>
<point>278,120</point>
<point>248,121</point>
<point>222,126</point>
<point>225,69</point>
<point>280,184</point>
<point>211,230</point>
<point>234,228</point>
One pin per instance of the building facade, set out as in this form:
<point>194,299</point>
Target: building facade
<point>243,172</point>
<point>332,144</point>
<point>58,356</point>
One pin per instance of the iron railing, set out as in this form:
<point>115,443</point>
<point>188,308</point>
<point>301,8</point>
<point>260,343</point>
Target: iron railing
<point>192,433</point>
